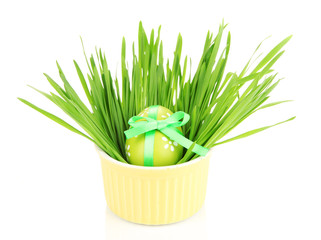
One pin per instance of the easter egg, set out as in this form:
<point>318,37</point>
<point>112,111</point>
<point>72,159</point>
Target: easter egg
<point>165,152</point>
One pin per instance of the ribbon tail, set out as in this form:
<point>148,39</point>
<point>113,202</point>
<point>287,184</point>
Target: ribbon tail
<point>185,142</point>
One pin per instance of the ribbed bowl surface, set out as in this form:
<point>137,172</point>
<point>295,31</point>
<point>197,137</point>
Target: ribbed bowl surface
<point>154,195</point>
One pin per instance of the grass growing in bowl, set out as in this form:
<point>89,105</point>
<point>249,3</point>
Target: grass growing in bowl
<point>217,102</point>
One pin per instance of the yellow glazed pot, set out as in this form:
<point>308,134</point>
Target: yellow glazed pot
<point>154,195</point>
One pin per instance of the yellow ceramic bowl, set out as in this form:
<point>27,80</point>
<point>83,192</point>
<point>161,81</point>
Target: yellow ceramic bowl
<point>154,195</point>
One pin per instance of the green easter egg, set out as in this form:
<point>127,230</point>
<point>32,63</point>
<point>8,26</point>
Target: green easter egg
<point>166,151</point>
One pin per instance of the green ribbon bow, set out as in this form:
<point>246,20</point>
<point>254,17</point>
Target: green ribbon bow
<point>167,126</point>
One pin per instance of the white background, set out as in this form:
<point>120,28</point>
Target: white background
<point>267,186</point>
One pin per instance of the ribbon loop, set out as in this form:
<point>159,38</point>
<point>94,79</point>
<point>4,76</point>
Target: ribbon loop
<point>168,126</point>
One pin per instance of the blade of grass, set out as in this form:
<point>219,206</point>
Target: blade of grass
<point>249,133</point>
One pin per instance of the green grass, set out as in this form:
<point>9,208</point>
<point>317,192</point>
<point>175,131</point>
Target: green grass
<point>216,102</point>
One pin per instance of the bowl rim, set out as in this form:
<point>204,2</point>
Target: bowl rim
<point>151,168</point>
